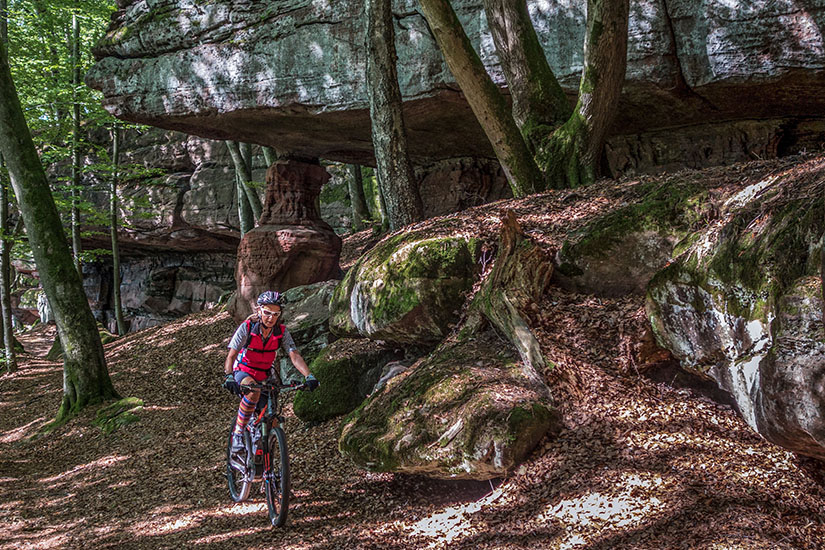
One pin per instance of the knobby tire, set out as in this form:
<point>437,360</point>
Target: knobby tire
<point>276,478</point>
<point>239,483</point>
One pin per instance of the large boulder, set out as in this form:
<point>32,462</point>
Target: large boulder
<point>618,252</point>
<point>348,370</point>
<point>291,75</point>
<point>407,289</point>
<point>292,246</point>
<point>742,303</point>
<point>468,411</point>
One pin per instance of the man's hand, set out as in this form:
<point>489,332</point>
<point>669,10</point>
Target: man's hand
<point>230,384</point>
<point>311,382</point>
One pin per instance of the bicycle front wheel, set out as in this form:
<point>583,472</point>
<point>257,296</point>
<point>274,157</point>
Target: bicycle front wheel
<point>276,477</point>
<point>237,471</point>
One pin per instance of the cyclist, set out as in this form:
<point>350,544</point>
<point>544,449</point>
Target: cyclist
<point>252,352</point>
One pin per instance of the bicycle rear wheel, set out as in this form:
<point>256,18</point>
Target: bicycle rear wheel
<point>238,476</point>
<point>276,477</point>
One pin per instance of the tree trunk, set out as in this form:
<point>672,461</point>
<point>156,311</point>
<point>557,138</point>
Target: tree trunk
<point>484,97</point>
<point>245,174</point>
<point>5,243</point>
<point>538,99</point>
<point>360,211</point>
<point>5,273</point>
<point>245,216</point>
<point>574,151</point>
<point>121,325</point>
<point>270,156</point>
<point>75,192</point>
<point>85,377</point>
<point>389,137</point>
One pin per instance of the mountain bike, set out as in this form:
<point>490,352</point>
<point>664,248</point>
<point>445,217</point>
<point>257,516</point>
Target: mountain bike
<point>266,458</point>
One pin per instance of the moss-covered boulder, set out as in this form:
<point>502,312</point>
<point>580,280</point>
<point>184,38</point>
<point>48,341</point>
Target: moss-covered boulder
<point>469,411</point>
<point>347,370</point>
<point>743,304</point>
<point>407,289</point>
<point>306,315</point>
<point>619,252</point>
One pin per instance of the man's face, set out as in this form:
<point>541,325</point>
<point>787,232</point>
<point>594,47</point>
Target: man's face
<point>270,314</point>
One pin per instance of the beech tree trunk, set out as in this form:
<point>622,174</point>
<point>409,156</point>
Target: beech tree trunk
<point>113,223</point>
<point>484,97</point>
<point>360,211</point>
<point>574,151</point>
<point>5,269</point>
<point>270,156</point>
<point>85,377</point>
<point>245,217</point>
<point>539,103</point>
<point>243,171</point>
<point>75,191</point>
<point>389,137</point>
<point>5,243</point>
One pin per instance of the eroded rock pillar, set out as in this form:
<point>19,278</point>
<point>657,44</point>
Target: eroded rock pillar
<point>292,246</point>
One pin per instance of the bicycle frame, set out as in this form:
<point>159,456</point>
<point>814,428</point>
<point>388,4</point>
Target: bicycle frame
<point>263,421</point>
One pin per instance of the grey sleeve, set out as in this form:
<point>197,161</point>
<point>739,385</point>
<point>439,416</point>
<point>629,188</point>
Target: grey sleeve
<point>288,344</point>
<point>239,338</point>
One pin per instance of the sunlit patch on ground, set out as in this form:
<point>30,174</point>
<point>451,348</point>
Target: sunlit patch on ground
<point>628,505</point>
<point>23,431</point>
<point>453,522</point>
<point>84,469</point>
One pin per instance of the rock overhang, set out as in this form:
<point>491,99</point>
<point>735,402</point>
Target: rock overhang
<point>291,74</point>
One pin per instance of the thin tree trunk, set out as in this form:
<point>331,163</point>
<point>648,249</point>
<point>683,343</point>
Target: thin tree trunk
<point>484,97</point>
<point>246,154</point>
<point>5,275</point>
<point>389,137</point>
<point>5,243</point>
<point>75,192</point>
<point>270,156</point>
<point>360,211</point>
<point>245,175</point>
<point>538,98</point>
<point>244,210</point>
<point>121,325</point>
<point>85,377</point>
<point>574,151</point>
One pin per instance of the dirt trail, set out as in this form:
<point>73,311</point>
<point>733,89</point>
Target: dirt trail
<point>646,467</point>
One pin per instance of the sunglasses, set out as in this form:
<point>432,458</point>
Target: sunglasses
<point>268,313</point>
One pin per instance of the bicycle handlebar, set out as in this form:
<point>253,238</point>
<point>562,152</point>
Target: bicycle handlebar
<point>246,388</point>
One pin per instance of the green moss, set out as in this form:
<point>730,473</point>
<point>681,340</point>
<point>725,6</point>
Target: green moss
<point>339,370</point>
<point>118,414</point>
<point>674,208</point>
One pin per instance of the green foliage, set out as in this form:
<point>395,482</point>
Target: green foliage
<point>40,60</point>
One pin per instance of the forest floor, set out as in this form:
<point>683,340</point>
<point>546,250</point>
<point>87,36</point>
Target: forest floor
<point>640,464</point>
